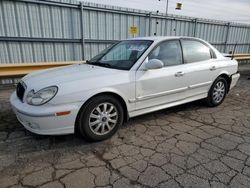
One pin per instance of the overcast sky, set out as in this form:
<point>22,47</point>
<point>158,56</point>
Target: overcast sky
<point>228,10</point>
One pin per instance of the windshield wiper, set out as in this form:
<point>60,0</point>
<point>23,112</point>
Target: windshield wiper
<point>89,62</point>
<point>99,64</point>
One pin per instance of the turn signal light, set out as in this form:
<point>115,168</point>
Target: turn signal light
<point>62,113</point>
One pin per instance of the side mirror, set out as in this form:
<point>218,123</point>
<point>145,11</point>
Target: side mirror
<point>154,64</point>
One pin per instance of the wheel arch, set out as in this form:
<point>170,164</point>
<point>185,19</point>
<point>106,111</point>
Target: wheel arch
<point>111,93</point>
<point>227,77</point>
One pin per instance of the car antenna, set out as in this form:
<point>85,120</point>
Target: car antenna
<point>234,50</point>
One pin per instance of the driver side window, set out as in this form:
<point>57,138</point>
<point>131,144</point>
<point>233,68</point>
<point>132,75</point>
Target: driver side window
<point>169,52</point>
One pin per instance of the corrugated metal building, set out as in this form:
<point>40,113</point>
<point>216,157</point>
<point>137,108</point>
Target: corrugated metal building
<point>44,31</point>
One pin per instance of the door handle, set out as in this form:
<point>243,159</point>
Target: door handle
<point>179,74</point>
<point>213,68</point>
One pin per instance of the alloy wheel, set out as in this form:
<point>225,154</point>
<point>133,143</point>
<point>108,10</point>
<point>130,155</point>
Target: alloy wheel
<point>103,118</point>
<point>219,92</point>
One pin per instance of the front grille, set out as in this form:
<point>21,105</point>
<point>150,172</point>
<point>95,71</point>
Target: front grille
<point>20,89</point>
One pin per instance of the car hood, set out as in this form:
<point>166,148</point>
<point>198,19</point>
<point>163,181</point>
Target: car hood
<point>58,76</point>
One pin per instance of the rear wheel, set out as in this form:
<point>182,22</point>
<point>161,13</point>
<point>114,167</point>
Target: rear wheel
<point>217,92</point>
<point>100,118</point>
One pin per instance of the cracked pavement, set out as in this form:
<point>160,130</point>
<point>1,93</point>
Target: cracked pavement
<point>186,146</point>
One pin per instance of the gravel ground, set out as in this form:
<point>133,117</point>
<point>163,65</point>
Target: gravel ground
<point>186,146</point>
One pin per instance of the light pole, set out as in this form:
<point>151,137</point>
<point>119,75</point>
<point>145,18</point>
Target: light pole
<point>167,8</point>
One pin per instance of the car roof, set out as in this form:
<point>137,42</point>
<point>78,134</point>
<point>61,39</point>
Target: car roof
<point>160,38</point>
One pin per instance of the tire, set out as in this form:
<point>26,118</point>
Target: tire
<point>94,124</point>
<point>221,85</point>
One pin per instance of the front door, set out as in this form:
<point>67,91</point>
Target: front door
<point>161,86</point>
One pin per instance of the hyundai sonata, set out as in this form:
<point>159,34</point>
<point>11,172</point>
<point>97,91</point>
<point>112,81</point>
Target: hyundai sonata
<point>129,78</point>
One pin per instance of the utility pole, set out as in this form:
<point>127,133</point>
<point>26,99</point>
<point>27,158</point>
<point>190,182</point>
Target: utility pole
<point>167,8</point>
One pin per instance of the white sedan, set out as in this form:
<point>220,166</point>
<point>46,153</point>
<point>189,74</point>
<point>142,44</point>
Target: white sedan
<point>130,78</point>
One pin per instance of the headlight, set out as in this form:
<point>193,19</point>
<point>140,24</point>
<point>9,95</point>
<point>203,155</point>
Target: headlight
<point>42,96</point>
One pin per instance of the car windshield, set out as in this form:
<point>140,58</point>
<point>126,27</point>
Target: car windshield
<point>121,55</point>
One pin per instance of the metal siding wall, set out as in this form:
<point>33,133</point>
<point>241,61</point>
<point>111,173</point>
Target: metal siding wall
<point>20,19</point>
<point>102,24</point>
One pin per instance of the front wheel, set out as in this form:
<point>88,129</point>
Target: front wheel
<point>217,92</point>
<point>100,118</point>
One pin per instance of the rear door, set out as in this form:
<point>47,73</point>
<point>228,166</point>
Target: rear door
<point>202,68</point>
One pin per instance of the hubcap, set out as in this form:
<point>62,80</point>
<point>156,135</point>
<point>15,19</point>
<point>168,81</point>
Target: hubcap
<point>219,92</point>
<point>103,118</point>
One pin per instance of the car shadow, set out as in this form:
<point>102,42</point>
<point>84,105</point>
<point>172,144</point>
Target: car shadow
<point>168,111</point>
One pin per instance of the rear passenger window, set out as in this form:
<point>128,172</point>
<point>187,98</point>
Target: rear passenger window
<point>168,52</point>
<point>195,51</point>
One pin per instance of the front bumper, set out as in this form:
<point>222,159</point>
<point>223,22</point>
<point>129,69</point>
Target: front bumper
<point>235,77</point>
<point>42,119</point>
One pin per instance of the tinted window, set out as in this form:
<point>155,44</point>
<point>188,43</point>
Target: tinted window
<point>168,52</point>
<point>195,51</point>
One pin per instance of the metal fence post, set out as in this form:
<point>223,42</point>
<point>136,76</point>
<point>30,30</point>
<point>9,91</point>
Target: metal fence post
<point>82,30</point>
<point>227,34</point>
<point>194,28</point>
<point>149,24</point>
<point>249,40</point>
